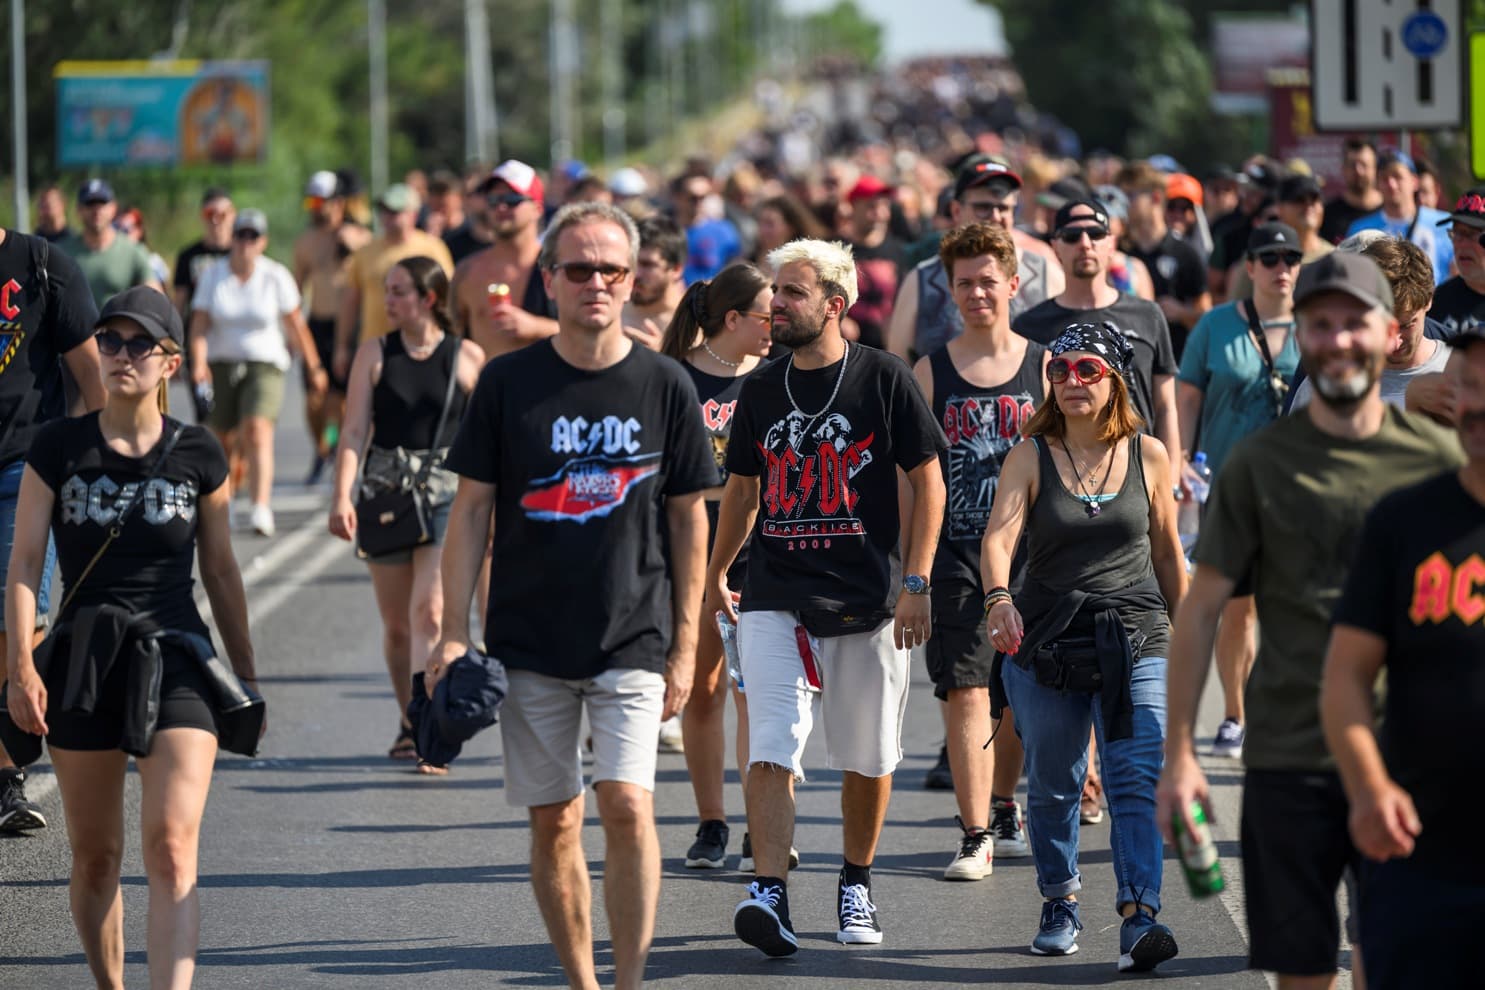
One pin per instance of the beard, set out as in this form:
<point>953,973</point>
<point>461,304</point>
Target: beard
<point>800,331</point>
<point>645,294</point>
<point>1344,392</point>
<point>1086,267</point>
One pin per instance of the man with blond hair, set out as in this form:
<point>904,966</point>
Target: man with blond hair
<point>817,442</point>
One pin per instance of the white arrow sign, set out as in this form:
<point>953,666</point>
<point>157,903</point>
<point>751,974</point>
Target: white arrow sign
<point>1386,64</point>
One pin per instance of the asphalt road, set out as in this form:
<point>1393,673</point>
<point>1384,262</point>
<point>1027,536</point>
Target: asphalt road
<point>324,864</point>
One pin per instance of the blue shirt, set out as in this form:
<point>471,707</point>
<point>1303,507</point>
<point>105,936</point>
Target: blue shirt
<point>1222,359</point>
<point>1427,234</point>
<point>710,245</point>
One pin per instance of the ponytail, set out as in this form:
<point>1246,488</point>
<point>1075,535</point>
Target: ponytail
<point>688,323</point>
<point>702,313</point>
<point>428,277</point>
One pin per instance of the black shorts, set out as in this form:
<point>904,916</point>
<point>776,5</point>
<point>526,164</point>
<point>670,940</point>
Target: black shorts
<point>1296,851</point>
<point>958,653</point>
<point>185,702</point>
<point>1418,926</point>
<point>323,332</point>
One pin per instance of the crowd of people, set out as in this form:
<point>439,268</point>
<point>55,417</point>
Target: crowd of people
<point>779,417</point>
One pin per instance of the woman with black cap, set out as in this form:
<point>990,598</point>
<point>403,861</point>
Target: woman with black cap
<point>131,496</point>
<point>1085,641</point>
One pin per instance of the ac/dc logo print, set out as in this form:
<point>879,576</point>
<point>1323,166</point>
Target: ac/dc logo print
<point>11,334</point>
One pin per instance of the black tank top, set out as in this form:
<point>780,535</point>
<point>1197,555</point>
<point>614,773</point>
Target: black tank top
<point>982,425</point>
<point>409,396</point>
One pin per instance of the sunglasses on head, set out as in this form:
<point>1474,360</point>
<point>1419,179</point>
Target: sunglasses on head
<point>580,272</point>
<point>510,199</point>
<point>1074,235</point>
<point>110,342</point>
<point>1271,259</point>
<point>1085,371</point>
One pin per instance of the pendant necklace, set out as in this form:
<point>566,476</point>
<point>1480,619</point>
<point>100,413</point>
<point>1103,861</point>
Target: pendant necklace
<point>1090,501</point>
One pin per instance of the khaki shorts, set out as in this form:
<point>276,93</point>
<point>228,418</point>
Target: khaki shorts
<point>541,720</point>
<point>243,390</point>
<point>862,714</point>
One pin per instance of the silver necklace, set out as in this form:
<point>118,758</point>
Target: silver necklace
<point>839,377</point>
<point>719,358</point>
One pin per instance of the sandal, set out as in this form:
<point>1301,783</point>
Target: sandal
<point>433,769</point>
<point>405,747</point>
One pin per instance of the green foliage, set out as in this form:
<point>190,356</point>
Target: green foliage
<point>843,30</point>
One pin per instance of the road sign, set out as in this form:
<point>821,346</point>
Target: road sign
<point>1386,65</point>
<point>1477,104</point>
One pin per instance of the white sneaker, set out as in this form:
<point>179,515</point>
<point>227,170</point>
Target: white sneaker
<point>1009,829</point>
<point>261,518</point>
<point>975,858</point>
<point>671,739</point>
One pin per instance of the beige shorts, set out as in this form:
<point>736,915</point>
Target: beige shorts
<point>540,723</point>
<point>243,390</point>
<point>861,699</point>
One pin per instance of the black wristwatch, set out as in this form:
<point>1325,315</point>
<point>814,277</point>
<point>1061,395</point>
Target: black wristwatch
<point>915,584</point>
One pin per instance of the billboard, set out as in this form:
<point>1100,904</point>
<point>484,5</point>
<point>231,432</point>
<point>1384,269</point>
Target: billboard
<point>161,113</point>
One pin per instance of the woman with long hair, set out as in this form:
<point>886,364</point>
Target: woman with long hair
<point>782,219</point>
<point>397,388</point>
<point>1085,641</point>
<point>720,333</point>
<point>131,496</point>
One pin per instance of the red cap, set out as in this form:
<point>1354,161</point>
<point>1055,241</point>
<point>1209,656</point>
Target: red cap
<point>520,177</point>
<point>867,187</point>
<point>1182,186</point>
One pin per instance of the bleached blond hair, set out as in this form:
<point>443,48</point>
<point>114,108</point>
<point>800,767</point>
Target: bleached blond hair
<point>832,261</point>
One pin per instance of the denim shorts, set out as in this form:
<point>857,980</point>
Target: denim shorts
<point>10,487</point>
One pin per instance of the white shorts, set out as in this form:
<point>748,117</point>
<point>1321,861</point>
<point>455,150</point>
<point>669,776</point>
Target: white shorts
<point>542,716</point>
<point>862,714</point>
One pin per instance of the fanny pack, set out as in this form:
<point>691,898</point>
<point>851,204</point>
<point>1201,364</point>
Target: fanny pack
<point>1068,665</point>
<point>829,623</point>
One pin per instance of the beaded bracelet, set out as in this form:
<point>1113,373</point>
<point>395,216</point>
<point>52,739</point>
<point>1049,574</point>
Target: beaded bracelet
<point>995,597</point>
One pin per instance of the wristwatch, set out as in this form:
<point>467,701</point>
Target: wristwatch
<point>915,584</point>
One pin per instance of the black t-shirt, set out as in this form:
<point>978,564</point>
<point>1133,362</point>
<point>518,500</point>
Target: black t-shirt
<point>55,235</point>
<point>191,262</point>
<point>1177,270</point>
<point>718,398</point>
<point>1142,322</point>
<point>826,536</point>
<point>878,271</point>
<point>1339,216</point>
<point>462,242</point>
<point>41,318</point>
<point>582,462</point>
<point>1418,581</point>
<point>1229,241</point>
<point>147,569</point>
<point>1457,306</point>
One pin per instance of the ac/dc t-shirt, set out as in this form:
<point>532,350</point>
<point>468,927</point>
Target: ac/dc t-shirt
<point>41,318</point>
<point>1457,306</point>
<point>582,462</point>
<point>718,401</point>
<point>827,531</point>
<point>1418,582</point>
<point>147,569</point>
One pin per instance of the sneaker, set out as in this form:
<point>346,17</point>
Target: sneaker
<point>940,778</point>
<point>709,851</point>
<point>1229,741</point>
<point>1090,806</point>
<point>1009,830</point>
<point>745,863</point>
<point>316,471</point>
<point>261,518</point>
<point>16,813</point>
<point>671,740</point>
<point>975,858</point>
<point>1144,943</point>
<point>762,920</point>
<point>858,915</point>
<point>1058,933</point>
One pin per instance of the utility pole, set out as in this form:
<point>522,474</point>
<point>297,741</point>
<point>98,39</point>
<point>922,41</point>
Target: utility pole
<point>18,112</point>
<point>564,81</point>
<point>611,30</point>
<point>481,136</point>
<point>376,40</point>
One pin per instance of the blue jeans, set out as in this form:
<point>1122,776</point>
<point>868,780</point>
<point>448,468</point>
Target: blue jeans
<point>10,487</point>
<point>1054,728</point>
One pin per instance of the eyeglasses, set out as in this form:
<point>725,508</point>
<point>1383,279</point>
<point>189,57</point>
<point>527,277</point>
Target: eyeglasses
<point>765,317</point>
<point>1085,371</point>
<point>580,272</point>
<point>1272,259</point>
<point>1074,235</point>
<point>1464,232</point>
<point>510,200</point>
<point>245,235</point>
<point>110,342</point>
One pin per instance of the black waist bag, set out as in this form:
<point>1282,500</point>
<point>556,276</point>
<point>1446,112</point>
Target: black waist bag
<point>828,623</point>
<point>1068,665</point>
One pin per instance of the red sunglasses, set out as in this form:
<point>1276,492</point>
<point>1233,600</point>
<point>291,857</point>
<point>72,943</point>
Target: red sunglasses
<point>1085,371</point>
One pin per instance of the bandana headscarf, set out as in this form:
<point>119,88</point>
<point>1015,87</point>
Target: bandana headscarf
<point>1103,339</point>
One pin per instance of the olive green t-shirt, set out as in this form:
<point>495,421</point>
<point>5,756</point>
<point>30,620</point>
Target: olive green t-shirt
<point>1288,509</point>
<point>122,265</point>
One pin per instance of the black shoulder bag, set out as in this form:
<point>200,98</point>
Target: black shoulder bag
<point>398,519</point>
<point>1277,386</point>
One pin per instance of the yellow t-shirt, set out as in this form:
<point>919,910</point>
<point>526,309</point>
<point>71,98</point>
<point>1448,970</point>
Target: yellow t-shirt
<point>367,267</point>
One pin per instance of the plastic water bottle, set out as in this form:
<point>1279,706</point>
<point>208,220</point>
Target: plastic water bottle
<point>1199,860</point>
<point>728,630</point>
<point>1188,519</point>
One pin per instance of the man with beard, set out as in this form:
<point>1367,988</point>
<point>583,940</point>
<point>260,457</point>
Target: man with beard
<point>109,261</point>
<point>500,301</point>
<point>1287,511</point>
<point>658,281</point>
<point>320,252</point>
<point>829,616</point>
<point>1360,197</point>
<point>475,233</point>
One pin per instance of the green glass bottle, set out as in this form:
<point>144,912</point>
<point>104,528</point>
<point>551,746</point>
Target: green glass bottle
<point>1198,853</point>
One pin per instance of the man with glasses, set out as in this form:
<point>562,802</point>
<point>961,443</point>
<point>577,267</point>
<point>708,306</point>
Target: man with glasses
<point>587,450</point>
<point>924,317</point>
<point>109,261</point>
<point>363,308</point>
<point>1459,304</point>
<point>1177,269</point>
<point>1300,208</point>
<point>1401,215</point>
<point>500,300</point>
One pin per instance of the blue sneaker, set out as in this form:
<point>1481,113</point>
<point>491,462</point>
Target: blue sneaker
<point>1144,943</point>
<point>1058,934</point>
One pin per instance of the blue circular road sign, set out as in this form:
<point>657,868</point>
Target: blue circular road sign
<point>1424,34</point>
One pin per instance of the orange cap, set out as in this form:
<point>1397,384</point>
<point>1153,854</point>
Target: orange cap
<point>1182,186</point>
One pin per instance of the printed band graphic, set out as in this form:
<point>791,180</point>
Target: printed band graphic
<point>981,430</point>
<point>808,497</point>
<point>587,487</point>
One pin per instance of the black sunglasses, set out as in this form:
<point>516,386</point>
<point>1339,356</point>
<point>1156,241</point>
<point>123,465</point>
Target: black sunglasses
<point>246,234</point>
<point>510,199</point>
<point>110,342</point>
<point>1272,259</point>
<point>1073,235</point>
<point>580,272</point>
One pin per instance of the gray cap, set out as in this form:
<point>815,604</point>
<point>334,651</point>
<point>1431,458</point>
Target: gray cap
<point>253,220</point>
<point>1354,274</point>
<point>149,308</point>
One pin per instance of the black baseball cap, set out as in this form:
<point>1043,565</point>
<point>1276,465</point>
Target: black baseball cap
<point>1469,208</point>
<point>95,191</point>
<point>1354,274</point>
<point>149,308</point>
<point>980,170</point>
<point>1297,188</point>
<point>1088,210</point>
<point>1270,238</point>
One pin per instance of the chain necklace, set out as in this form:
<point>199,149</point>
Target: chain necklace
<point>424,349</point>
<point>840,377</point>
<point>1089,500</point>
<point>719,358</point>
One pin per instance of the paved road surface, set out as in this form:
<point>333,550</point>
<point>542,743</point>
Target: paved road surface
<point>325,865</point>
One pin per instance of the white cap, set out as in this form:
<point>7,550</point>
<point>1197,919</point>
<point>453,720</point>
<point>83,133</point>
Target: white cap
<point>628,182</point>
<point>322,184</point>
